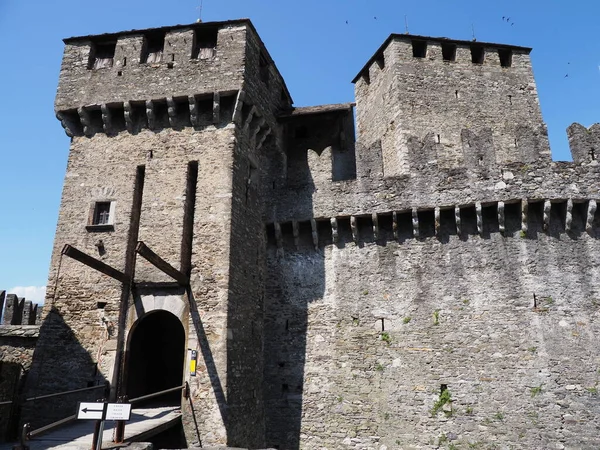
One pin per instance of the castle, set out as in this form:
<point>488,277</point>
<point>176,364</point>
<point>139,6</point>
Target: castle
<point>427,279</point>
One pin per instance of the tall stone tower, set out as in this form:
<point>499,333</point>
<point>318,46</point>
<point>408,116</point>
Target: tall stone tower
<point>159,248</point>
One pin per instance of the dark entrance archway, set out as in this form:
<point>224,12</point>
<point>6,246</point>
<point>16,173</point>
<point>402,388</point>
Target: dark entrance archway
<point>156,356</point>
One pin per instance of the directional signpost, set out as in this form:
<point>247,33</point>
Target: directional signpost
<point>102,411</point>
<point>90,411</point>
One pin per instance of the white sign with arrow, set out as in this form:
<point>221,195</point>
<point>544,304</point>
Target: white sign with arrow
<point>90,411</point>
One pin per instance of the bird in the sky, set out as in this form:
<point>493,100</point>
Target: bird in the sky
<point>346,22</point>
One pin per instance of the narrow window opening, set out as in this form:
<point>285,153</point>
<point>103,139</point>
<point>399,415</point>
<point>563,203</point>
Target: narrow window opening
<point>449,52</point>
<point>438,140</point>
<point>101,213</point>
<point>419,49</point>
<point>477,54</point>
<point>103,55</point>
<point>505,55</point>
<point>264,69</point>
<point>287,324</point>
<point>382,324</point>
<point>592,154</point>
<point>516,144</point>
<point>456,94</point>
<point>119,73</point>
<point>380,61</point>
<point>154,46</point>
<point>205,43</point>
<point>124,61</point>
<point>100,305</point>
<point>443,388</point>
<point>170,65</point>
<point>510,99</point>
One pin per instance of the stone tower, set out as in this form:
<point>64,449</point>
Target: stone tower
<point>169,128</point>
<point>448,103</point>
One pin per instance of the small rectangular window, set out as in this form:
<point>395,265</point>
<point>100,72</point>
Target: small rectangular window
<point>505,55</point>
<point>154,46</point>
<point>477,54</point>
<point>419,49</point>
<point>101,213</point>
<point>102,55</point>
<point>205,43</point>
<point>102,216</point>
<point>449,52</point>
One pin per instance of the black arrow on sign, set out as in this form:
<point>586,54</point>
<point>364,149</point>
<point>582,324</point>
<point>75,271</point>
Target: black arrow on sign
<point>85,410</point>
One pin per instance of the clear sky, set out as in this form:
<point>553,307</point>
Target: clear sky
<point>318,45</point>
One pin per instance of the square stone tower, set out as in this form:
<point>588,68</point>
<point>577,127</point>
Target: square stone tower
<point>159,248</point>
<point>449,103</point>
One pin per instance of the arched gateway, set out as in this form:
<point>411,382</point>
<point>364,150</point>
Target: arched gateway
<point>156,353</point>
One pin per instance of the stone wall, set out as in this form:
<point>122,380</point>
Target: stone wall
<point>362,336</point>
<point>17,343</point>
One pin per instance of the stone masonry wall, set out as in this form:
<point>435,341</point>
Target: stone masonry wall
<point>17,343</point>
<point>362,337</point>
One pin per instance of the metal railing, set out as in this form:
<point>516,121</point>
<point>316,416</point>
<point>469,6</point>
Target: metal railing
<point>27,434</point>
<point>120,425</point>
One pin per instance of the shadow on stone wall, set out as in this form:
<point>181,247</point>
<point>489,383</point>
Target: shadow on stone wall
<point>60,363</point>
<point>295,279</point>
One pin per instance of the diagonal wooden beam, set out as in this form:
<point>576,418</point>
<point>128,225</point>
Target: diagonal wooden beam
<point>143,250</point>
<point>98,265</point>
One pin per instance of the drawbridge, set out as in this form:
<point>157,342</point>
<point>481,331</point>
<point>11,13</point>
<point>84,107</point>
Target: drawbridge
<point>145,423</point>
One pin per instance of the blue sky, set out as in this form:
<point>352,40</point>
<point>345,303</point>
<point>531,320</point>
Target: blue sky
<point>317,52</point>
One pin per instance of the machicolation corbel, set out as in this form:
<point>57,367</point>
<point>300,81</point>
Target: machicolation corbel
<point>569,215</point>
<point>547,207</point>
<point>501,224</point>
<point>591,212</point>
<point>524,215</point>
<point>415,222</point>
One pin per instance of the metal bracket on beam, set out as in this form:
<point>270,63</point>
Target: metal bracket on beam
<point>94,263</point>
<point>143,250</point>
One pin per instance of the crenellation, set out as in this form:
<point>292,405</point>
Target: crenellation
<point>584,143</point>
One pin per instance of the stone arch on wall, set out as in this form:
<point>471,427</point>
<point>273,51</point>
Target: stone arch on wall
<point>156,347</point>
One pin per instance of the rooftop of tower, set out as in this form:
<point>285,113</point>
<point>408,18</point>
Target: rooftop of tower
<point>108,36</point>
<point>438,40</point>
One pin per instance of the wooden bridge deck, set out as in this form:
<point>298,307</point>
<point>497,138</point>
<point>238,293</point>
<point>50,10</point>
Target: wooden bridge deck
<point>144,423</point>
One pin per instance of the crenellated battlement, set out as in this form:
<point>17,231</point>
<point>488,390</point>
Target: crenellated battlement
<point>584,143</point>
<point>19,311</point>
<point>102,74</point>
